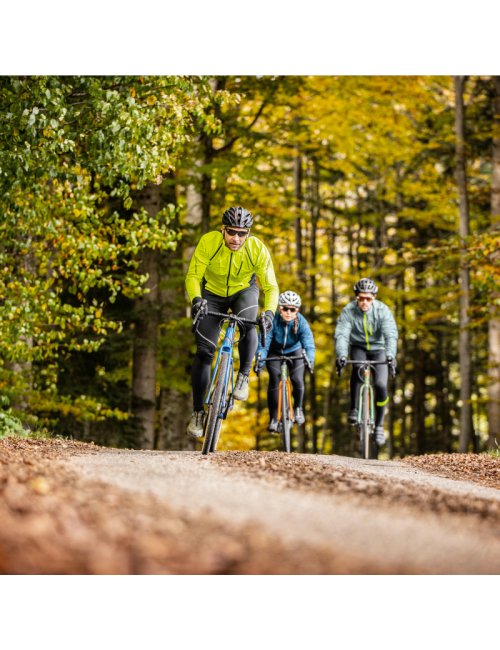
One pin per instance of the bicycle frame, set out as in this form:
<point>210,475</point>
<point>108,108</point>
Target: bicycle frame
<point>367,384</point>
<point>284,377</point>
<point>371,406</point>
<point>227,346</point>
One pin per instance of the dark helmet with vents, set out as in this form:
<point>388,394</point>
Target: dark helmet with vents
<point>237,217</point>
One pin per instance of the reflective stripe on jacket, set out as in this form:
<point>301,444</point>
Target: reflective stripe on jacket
<point>282,338</point>
<point>226,272</point>
<point>374,329</point>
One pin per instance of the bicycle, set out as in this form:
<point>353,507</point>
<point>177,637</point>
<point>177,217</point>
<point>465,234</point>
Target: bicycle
<point>219,400</point>
<point>285,410</point>
<point>366,407</point>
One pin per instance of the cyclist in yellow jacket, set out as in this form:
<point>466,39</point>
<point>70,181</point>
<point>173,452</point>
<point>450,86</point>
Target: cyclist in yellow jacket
<point>223,271</point>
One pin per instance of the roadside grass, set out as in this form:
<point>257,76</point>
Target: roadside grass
<point>494,452</point>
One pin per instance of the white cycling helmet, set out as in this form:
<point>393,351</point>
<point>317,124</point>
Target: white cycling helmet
<point>289,298</point>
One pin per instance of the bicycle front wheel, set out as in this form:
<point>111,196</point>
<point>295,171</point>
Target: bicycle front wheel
<point>214,421</point>
<point>285,418</point>
<point>365,430</point>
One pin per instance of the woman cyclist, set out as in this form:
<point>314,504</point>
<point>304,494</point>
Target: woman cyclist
<point>290,334</point>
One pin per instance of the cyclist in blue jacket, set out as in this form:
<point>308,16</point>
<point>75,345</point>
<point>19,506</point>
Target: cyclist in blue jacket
<point>290,333</point>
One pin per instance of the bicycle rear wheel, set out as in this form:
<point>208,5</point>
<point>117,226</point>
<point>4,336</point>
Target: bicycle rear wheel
<point>285,418</point>
<point>214,421</point>
<point>365,431</point>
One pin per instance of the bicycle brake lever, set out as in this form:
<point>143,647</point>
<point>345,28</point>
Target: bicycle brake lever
<point>197,317</point>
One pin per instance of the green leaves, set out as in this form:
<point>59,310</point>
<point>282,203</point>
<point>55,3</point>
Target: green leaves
<point>72,149</point>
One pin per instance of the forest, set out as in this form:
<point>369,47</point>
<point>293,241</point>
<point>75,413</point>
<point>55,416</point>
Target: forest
<point>108,183</point>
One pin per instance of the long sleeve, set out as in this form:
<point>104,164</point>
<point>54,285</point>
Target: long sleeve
<point>307,341</point>
<point>390,332</point>
<point>343,334</point>
<point>197,266</point>
<point>265,272</point>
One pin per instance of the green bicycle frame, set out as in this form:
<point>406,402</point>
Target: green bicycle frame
<point>366,384</point>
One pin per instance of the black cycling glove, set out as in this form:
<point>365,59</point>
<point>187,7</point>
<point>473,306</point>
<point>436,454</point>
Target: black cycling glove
<point>258,366</point>
<point>196,306</point>
<point>268,320</point>
<point>392,363</point>
<point>341,362</point>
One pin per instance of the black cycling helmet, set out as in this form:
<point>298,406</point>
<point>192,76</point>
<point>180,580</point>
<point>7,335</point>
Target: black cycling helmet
<point>237,217</point>
<point>365,285</point>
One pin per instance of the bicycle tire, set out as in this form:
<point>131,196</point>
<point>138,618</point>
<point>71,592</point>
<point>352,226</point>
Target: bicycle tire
<point>365,432</point>
<point>285,420</point>
<point>218,425</point>
<point>214,422</point>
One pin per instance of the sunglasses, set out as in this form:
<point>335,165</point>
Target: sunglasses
<point>364,299</point>
<point>241,233</point>
<point>292,309</point>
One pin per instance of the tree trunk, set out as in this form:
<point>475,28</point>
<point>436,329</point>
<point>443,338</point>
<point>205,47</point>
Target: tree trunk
<point>146,329</point>
<point>403,447</point>
<point>494,324</point>
<point>418,420</point>
<point>464,342</point>
<point>315,214</point>
<point>297,178</point>
<point>174,403</point>
<point>297,182</point>
<point>331,377</point>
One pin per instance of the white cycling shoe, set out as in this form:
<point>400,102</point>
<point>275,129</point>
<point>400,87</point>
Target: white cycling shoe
<point>379,436</point>
<point>195,426</point>
<point>240,391</point>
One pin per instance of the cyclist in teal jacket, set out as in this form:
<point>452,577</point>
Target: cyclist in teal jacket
<point>368,327</point>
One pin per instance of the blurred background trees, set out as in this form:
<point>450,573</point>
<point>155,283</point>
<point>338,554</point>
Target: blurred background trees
<point>108,183</point>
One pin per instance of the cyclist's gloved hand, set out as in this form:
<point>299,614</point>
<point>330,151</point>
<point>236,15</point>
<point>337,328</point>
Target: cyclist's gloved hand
<point>392,363</point>
<point>196,306</point>
<point>341,362</point>
<point>259,365</point>
<point>268,320</point>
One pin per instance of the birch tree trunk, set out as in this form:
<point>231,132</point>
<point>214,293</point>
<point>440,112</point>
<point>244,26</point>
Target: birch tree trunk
<point>494,324</point>
<point>146,330</point>
<point>464,342</point>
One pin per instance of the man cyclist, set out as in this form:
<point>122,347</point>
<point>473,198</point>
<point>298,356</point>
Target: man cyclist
<point>368,326</point>
<point>290,334</point>
<point>223,272</point>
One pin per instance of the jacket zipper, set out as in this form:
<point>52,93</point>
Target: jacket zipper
<point>366,332</point>
<point>286,336</point>
<point>228,275</point>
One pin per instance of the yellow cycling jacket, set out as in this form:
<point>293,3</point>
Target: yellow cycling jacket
<point>226,272</point>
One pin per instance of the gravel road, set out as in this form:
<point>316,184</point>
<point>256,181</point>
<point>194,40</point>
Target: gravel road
<point>431,530</point>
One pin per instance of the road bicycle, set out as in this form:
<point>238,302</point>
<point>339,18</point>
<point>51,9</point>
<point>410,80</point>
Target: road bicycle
<point>219,397</point>
<point>366,407</point>
<point>285,409</point>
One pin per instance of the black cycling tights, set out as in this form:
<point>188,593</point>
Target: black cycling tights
<point>380,376</point>
<point>296,369</point>
<point>245,303</point>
